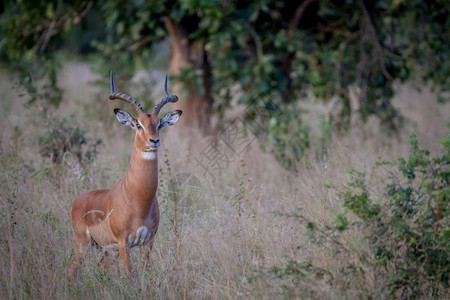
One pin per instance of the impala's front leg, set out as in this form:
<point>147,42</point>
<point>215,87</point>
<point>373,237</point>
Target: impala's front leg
<point>80,246</point>
<point>124,253</point>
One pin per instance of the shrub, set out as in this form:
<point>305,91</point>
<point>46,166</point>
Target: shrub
<point>66,136</point>
<point>406,229</point>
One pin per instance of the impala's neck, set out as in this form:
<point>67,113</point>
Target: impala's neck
<point>142,177</point>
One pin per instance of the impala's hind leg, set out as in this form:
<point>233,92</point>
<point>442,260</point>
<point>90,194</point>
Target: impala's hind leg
<point>108,257</point>
<point>80,246</point>
<point>146,250</point>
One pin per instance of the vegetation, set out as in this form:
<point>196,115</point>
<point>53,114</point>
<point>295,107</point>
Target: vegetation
<point>265,47</point>
<point>406,228</point>
<point>312,201</point>
<point>355,235</point>
<point>62,137</point>
<point>349,53</point>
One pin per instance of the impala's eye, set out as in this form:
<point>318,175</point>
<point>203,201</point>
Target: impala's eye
<point>139,127</point>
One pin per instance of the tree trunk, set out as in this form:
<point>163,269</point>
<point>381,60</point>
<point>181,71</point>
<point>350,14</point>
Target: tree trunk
<point>196,106</point>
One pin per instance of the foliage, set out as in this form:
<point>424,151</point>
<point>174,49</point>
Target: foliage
<point>407,230</point>
<point>216,246</point>
<point>262,47</point>
<point>280,128</point>
<point>267,46</point>
<point>31,33</point>
<point>62,137</point>
<point>289,137</point>
<point>409,233</point>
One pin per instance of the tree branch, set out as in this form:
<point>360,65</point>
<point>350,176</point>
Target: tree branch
<point>286,62</point>
<point>298,15</point>
<point>57,23</point>
<point>51,31</point>
<point>374,37</point>
<point>259,49</point>
<point>84,12</point>
<point>139,43</point>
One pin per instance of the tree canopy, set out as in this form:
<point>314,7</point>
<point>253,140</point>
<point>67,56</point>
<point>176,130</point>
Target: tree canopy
<point>277,48</point>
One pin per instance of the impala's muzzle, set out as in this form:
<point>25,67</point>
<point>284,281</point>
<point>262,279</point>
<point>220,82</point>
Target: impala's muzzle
<point>153,145</point>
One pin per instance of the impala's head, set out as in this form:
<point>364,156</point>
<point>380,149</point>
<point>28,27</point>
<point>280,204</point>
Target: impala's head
<point>146,125</point>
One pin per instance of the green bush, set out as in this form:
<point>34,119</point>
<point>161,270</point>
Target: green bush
<point>409,232</point>
<point>290,139</point>
<point>406,229</point>
<point>65,136</point>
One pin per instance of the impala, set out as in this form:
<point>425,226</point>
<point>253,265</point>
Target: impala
<point>127,215</point>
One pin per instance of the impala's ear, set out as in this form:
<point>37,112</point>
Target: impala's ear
<point>169,119</point>
<point>125,118</point>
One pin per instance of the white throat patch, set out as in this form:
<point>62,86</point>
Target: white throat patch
<point>149,155</point>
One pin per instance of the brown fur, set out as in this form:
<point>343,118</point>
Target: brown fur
<point>109,217</point>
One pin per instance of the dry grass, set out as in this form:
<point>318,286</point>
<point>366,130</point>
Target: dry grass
<point>227,243</point>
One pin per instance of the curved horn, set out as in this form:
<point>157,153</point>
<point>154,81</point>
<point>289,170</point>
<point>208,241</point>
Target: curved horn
<point>168,98</point>
<point>124,97</point>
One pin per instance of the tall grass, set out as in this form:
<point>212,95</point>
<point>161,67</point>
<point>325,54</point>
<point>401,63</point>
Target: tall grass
<point>231,242</point>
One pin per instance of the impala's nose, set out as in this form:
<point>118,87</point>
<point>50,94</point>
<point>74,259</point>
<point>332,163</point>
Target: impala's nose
<point>154,143</point>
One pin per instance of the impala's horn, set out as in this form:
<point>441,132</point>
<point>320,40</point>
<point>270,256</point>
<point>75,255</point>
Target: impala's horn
<point>124,97</point>
<point>168,98</point>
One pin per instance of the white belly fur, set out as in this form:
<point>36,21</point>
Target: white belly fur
<point>142,237</point>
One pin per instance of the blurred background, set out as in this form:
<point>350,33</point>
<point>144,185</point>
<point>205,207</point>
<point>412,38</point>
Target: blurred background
<point>289,109</point>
